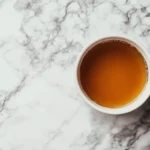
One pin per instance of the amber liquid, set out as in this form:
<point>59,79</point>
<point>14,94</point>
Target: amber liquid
<point>113,74</point>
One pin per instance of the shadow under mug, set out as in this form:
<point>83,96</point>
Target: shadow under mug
<point>143,96</point>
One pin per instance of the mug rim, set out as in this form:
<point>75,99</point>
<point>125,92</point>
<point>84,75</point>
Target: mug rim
<point>143,95</point>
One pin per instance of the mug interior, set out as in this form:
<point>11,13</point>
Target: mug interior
<point>139,100</point>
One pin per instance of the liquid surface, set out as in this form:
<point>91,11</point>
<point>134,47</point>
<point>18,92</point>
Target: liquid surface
<point>113,74</point>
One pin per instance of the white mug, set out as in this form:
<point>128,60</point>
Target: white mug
<point>143,96</point>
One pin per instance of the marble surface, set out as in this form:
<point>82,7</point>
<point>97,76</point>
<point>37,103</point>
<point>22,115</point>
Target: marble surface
<point>40,107</point>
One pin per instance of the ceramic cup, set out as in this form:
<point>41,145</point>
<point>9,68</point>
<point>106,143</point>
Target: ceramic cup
<point>143,96</point>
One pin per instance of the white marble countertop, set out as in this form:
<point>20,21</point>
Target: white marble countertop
<point>40,108</point>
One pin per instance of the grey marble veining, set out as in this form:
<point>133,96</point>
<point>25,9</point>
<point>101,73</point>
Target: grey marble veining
<point>40,108</point>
